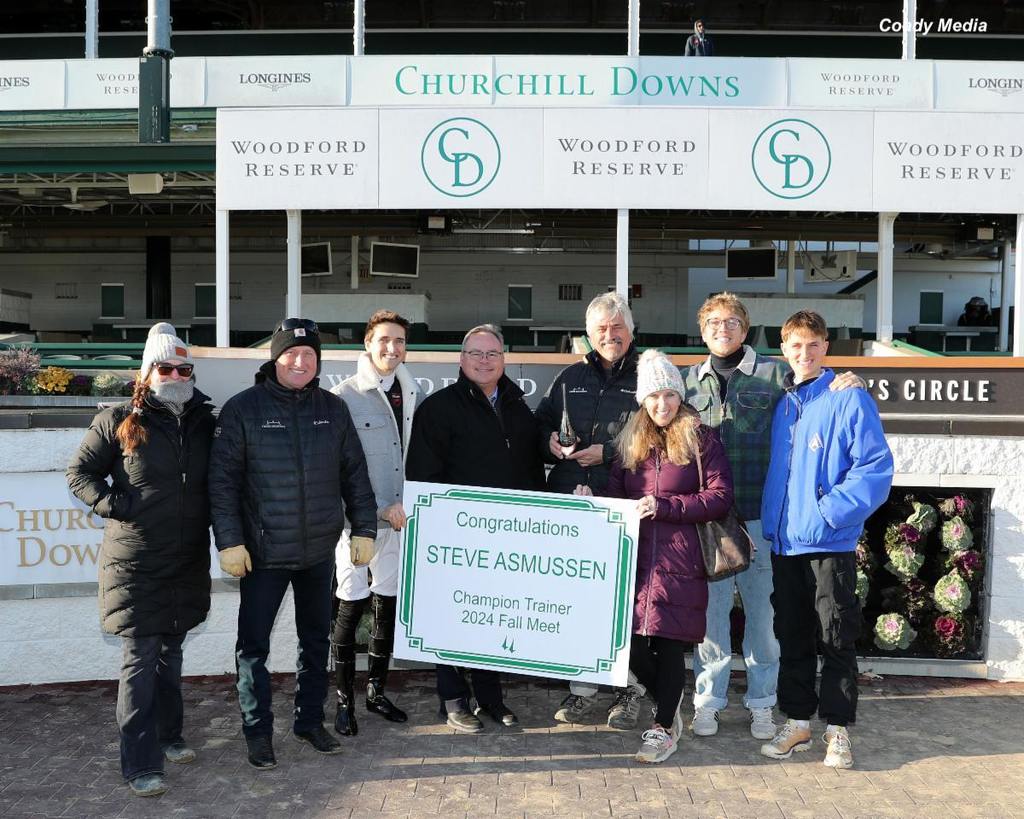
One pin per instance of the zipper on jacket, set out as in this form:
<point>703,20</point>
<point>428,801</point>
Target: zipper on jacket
<point>654,541</point>
<point>789,467</point>
<point>181,491</point>
<point>297,449</point>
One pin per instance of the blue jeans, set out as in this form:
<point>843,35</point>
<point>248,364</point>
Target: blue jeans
<point>149,708</point>
<point>262,591</point>
<point>713,657</point>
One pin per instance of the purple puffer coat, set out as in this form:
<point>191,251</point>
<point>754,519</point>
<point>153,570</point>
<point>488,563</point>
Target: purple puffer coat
<point>671,585</point>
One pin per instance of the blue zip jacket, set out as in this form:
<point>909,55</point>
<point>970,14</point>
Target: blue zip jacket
<point>830,468</point>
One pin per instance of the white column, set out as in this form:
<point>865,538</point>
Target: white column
<point>883,322</point>
<point>1004,297</point>
<point>222,254</point>
<point>92,30</point>
<point>633,29</point>
<point>1018,288</point>
<point>790,266</point>
<point>622,215</point>
<point>355,263</point>
<point>909,35</point>
<point>622,252</point>
<point>293,294</point>
<point>359,27</point>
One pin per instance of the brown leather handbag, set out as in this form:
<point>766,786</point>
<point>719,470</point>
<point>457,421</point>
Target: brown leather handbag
<point>725,543</point>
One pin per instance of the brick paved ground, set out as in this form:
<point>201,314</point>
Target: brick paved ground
<point>924,747</point>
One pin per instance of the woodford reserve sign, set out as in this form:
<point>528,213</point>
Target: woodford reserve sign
<point>529,582</point>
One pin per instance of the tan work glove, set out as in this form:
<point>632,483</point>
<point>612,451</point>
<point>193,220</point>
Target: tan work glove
<point>235,560</point>
<point>361,550</point>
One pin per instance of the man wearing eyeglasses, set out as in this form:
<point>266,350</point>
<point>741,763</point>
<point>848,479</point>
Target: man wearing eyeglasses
<point>286,470</point>
<point>735,390</point>
<point>476,432</point>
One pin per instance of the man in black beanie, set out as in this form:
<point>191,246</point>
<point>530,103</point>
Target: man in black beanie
<point>285,471</point>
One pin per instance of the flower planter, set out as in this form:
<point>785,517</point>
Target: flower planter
<point>53,401</point>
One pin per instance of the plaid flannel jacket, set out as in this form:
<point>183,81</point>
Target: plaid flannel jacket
<point>743,420</point>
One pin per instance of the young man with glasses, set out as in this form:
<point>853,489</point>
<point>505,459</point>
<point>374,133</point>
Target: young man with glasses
<point>476,432</point>
<point>735,390</point>
<point>286,471</point>
<point>600,394</point>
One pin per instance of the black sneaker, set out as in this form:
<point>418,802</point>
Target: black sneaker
<point>500,714</point>
<point>465,722</point>
<point>261,752</point>
<point>321,741</point>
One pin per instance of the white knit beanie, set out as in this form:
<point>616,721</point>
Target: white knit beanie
<point>655,373</point>
<point>163,344</point>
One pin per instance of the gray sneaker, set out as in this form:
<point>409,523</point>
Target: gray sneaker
<point>179,753</point>
<point>148,785</point>
<point>574,707</point>
<point>625,709</point>
<point>658,745</point>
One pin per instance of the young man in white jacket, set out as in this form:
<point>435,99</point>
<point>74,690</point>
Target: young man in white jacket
<point>382,398</point>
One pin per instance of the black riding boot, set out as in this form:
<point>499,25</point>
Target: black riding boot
<point>381,641</point>
<point>349,612</point>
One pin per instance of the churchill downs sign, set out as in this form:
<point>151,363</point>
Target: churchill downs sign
<point>46,535</point>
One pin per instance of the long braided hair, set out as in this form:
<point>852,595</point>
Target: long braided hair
<point>130,432</point>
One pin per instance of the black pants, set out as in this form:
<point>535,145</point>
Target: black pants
<point>149,707</point>
<point>660,664</point>
<point>817,610</point>
<point>262,591</point>
<point>454,691</point>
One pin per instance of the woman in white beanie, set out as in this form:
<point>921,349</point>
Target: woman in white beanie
<point>154,573</point>
<point>656,465</point>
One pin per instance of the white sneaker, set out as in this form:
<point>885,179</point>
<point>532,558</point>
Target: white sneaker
<point>762,723</point>
<point>658,745</point>
<point>705,721</point>
<point>840,750</point>
<point>788,740</point>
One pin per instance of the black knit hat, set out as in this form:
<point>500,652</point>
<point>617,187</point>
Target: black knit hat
<point>295,332</point>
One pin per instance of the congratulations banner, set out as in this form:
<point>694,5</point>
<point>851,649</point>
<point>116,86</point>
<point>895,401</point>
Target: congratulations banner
<point>527,582</point>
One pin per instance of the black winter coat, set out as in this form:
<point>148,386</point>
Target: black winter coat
<point>600,402</point>
<point>154,573</point>
<point>458,438</point>
<point>286,468</point>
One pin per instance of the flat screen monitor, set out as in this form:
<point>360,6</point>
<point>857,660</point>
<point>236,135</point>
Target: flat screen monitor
<point>389,259</point>
<point>751,263</point>
<point>316,259</point>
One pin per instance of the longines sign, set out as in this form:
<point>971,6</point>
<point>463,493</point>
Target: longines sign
<point>568,81</point>
<point>637,157</point>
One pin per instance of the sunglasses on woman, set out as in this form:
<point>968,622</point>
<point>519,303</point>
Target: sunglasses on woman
<point>184,370</point>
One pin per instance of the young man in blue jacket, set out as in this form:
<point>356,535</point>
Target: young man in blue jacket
<point>830,468</point>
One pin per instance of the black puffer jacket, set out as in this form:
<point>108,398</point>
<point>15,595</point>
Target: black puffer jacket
<point>286,468</point>
<point>458,438</point>
<point>154,573</point>
<point>600,402</point>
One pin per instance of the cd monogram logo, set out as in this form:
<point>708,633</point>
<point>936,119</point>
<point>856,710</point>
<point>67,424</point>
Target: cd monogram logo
<point>791,159</point>
<point>460,156</point>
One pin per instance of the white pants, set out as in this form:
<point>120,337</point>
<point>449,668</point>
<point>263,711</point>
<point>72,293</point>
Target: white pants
<point>353,583</point>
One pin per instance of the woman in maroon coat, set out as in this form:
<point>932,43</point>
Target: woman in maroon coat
<point>656,466</point>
